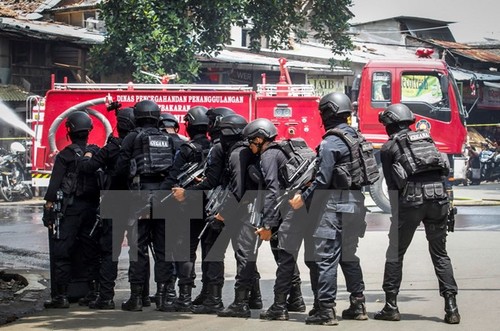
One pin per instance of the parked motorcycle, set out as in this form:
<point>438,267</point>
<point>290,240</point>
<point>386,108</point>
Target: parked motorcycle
<point>490,165</point>
<point>13,183</point>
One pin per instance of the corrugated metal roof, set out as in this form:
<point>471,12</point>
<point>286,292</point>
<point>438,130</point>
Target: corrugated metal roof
<point>12,93</point>
<point>462,74</point>
<point>470,52</point>
<point>47,30</point>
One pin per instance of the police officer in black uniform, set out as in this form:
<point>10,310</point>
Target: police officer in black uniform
<point>170,125</point>
<point>226,227</point>
<point>215,175</point>
<point>261,134</point>
<point>416,196</point>
<point>79,211</point>
<point>111,236</point>
<point>194,151</point>
<point>146,156</point>
<point>341,220</point>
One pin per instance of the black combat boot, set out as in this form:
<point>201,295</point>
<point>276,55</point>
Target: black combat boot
<point>102,303</point>
<point>60,300</point>
<point>183,302</point>
<point>134,303</point>
<point>390,312</point>
<point>255,297</point>
<point>165,301</point>
<point>91,294</point>
<point>450,307</point>
<point>146,299</point>
<point>325,315</point>
<point>278,310</point>
<point>314,308</point>
<point>202,296</point>
<point>161,292</point>
<point>295,302</point>
<point>213,301</point>
<point>239,307</point>
<point>357,309</point>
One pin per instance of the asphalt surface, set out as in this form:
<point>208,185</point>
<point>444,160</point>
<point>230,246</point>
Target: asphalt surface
<point>473,254</point>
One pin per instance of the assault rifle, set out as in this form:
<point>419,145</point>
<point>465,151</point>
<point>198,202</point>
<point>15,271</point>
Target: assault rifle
<point>190,172</point>
<point>57,214</point>
<point>304,174</point>
<point>216,200</point>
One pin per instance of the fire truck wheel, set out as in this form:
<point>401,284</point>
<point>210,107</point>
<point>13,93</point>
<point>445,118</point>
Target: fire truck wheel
<point>380,194</point>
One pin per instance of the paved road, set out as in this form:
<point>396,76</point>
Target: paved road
<point>474,254</point>
<point>475,260</point>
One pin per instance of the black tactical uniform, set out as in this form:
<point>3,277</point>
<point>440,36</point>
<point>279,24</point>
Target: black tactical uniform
<point>193,152</point>
<point>340,223</point>
<point>272,159</point>
<point>148,164</point>
<point>418,194</point>
<point>113,230</point>
<point>79,211</point>
<point>235,161</point>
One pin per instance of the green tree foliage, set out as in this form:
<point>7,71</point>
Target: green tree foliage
<point>164,36</point>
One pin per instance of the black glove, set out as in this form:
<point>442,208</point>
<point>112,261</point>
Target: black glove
<point>215,224</point>
<point>49,217</point>
<point>92,149</point>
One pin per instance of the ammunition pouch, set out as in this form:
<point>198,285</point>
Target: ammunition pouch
<point>434,191</point>
<point>412,194</point>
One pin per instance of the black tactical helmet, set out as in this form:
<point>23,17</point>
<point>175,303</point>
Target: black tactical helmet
<point>168,121</point>
<point>395,114</point>
<point>79,121</point>
<point>261,127</point>
<point>232,124</point>
<point>217,113</point>
<point>125,119</point>
<point>196,116</point>
<point>146,109</point>
<point>335,104</point>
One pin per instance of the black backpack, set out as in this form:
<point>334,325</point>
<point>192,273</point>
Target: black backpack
<point>156,155</point>
<point>362,165</point>
<point>75,183</point>
<point>299,157</point>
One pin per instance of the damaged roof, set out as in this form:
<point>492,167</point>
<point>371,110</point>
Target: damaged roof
<point>471,52</point>
<point>49,31</point>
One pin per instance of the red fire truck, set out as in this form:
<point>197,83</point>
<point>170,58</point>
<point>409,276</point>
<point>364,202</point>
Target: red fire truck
<point>428,88</point>
<point>293,109</point>
<point>425,85</point>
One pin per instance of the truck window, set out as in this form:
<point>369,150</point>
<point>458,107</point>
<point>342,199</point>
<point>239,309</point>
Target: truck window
<point>422,93</point>
<point>381,86</point>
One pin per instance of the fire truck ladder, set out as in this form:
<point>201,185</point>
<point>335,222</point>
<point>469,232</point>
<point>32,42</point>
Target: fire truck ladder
<point>133,86</point>
<point>31,118</point>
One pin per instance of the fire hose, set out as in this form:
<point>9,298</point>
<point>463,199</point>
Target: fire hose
<point>81,106</point>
